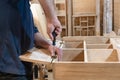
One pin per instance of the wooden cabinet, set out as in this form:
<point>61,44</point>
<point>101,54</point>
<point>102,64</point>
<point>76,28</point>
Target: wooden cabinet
<point>78,19</point>
<point>84,58</point>
<point>84,24</point>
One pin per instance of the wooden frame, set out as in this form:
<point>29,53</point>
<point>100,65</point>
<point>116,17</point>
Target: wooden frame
<point>88,30</point>
<point>97,60</point>
<point>86,58</point>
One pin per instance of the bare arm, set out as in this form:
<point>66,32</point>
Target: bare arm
<point>48,9</point>
<point>42,42</point>
<point>52,20</point>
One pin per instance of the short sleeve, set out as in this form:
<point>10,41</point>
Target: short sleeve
<point>35,29</point>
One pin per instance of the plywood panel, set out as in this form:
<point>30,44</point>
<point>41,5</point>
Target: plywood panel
<point>98,55</point>
<point>89,40</point>
<point>86,71</point>
<point>73,54</point>
<point>116,15</point>
<point>84,6</point>
<point>71,44</point>
<point>99,46</point>
<point>39,18</point>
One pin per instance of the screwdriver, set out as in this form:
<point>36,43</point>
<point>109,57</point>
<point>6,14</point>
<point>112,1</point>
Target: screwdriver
<point>54,43</point>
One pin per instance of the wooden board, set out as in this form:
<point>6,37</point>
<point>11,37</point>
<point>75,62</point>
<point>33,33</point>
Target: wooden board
<point>39,18</point>
<point>84,6</point>
<point>73,44</point>
<point>39,56</point>
<point>86,71</point>
<point>73,54</point>
<point>90,39</point>
<point>102,55</point>
<point>117,16</point>
<point>99,46</point>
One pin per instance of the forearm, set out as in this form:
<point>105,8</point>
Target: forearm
<point>40,41</point>
<point>49,9</point>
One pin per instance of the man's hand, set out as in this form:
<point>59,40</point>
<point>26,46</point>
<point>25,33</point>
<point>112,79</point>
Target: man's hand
<point>40,41</point>
<point>56,50</point>
<point>54,25</point>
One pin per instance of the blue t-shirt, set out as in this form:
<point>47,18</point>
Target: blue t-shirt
<point>16,35</point>
<point>27,21</point>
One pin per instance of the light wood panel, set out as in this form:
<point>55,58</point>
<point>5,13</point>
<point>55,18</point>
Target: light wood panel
<point>116,15</point>
<point>39,18</point>
<point>89,40</point>
<point>84,6</point>
<point>99,46</point>
<point>102,55</point>
<point>71,44</point>
<point>86,71</point>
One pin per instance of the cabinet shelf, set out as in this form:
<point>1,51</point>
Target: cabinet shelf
<point>83,21</point>
<point>59,1</point>
<point>61,13</point>
<point>63,27</point>
<point>84,24</point>
<point>83,14</point>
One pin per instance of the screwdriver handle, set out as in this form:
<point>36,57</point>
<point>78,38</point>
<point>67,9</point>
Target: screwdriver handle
<point>54,37</point>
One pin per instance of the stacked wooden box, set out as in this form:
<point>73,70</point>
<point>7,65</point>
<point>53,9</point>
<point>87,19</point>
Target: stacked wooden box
<point>89,58</point>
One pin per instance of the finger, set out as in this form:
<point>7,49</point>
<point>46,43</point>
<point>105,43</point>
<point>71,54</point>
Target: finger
<point>51,36</point>
<point>59,53</point>
<point>58,31</point>
<point>50,49</point>
<point>58,27</point>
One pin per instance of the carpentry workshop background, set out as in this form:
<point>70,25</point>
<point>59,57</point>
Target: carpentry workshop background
<point>90,40</point>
